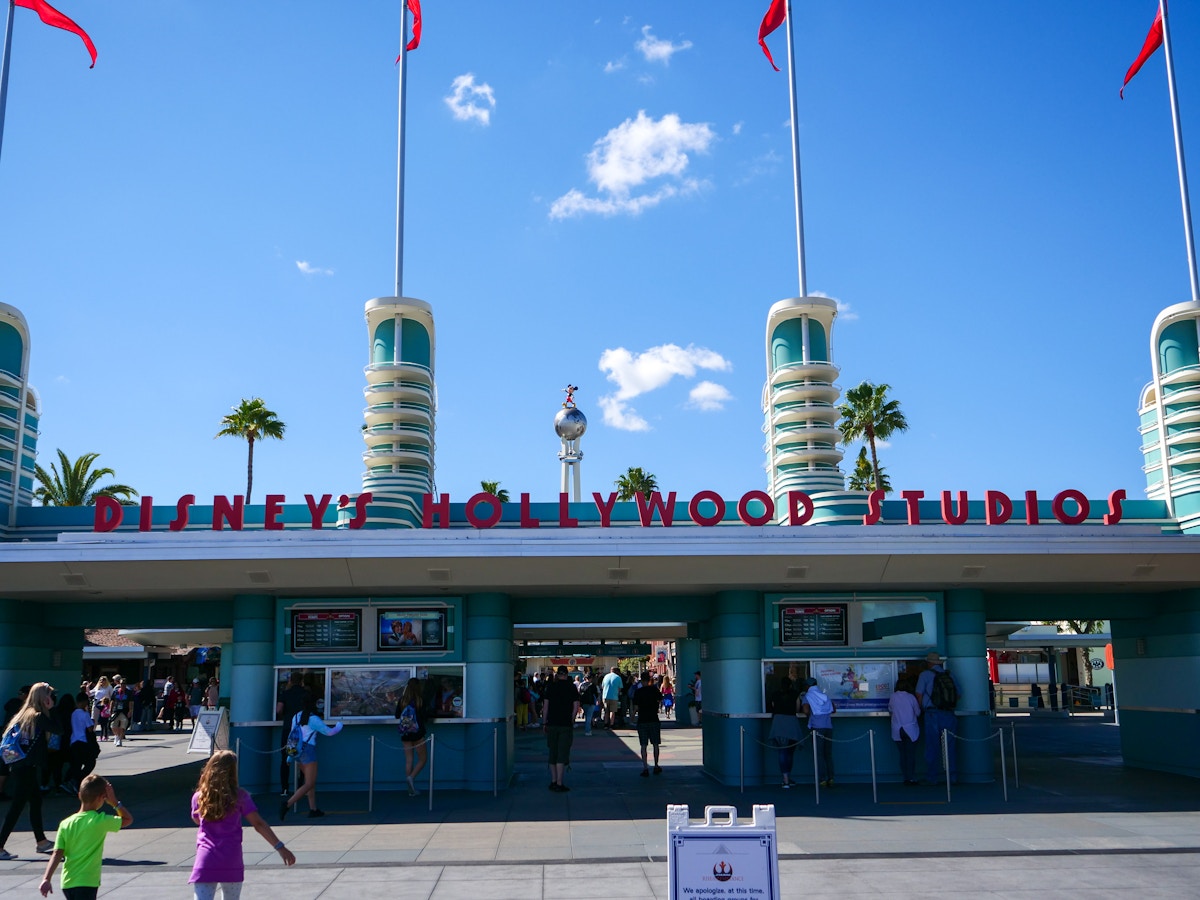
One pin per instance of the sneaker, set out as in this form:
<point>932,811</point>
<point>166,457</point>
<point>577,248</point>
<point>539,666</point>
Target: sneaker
<point>645,773</point>
<point>285,793</point>
<point>562,789</point>
<point>787,785</point>
<point>658,770</point>
<point>45,846</point>
<point>316,813</point>
<point>4,854</point>
<point>68,788</point>
<point>283,810</point>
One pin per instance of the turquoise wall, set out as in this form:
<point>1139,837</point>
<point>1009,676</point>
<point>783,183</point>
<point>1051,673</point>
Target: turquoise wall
<point>1178,346</point>
<point>414,343</point>
<point>12,349</point>
<point>787,343</point>
<point>383,345</point>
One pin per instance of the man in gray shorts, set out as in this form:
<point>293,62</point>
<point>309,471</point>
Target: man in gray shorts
<point>646,700</point>
<point>610,693</point>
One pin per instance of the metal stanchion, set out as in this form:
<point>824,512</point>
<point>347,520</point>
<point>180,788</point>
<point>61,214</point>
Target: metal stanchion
<point>946,760</point>
<point>371,779</point>
<point>1003,767</point>
<point>816,770</point>
<point>238,767</point>
<point>495,758</point>
<point>874,784</point>
<point>430,740</point>
<point>1016,773</point>
<point>742,758</point>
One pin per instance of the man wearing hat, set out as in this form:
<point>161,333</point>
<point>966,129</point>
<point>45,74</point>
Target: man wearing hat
<point>561,708</point>
<point>937,692</point>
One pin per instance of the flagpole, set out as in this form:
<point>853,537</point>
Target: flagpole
<point>1183,185</point>
<point>400,153</point>
<point>791,55</point>
<point>8,29</point>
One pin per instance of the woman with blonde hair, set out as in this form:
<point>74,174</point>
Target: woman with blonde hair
<point>34,722</point>
<point>218,807</point>
<point>412,737</point>
<point>101,692</point>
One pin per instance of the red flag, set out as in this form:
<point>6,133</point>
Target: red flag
<point>772,20</point>
<point>54,18</point>
<point>1153,41</point>
<point>414,6</point>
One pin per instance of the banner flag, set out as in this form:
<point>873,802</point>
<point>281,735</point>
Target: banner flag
<point>772,20</point>
<point>55,19</point>
<point>1153,41</point>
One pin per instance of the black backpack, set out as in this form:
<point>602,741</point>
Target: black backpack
<point>944,694</point>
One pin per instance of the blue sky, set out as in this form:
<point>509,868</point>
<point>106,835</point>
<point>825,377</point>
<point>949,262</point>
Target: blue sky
<point>202,217</point>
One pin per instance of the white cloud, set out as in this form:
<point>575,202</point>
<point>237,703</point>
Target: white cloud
<point>469,100</point>
<point>656,50</point>
<point>310,270</point>
<point>708,396</point>
<point>845,313</point>
<point>737,127</point>
<point>61,379</point>
<point>639,374</point>
<point>614,65</point>
<point>635,152</point>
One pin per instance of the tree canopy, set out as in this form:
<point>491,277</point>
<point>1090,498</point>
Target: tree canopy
<point>251,420</point>
<point>635,481</point>
<point>75,484</point>
<point>869,415</point>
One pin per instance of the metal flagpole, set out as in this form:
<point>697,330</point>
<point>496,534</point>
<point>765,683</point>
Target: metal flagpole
<point>400,153</point>
<point>1183,185</point>
<point>791,55</point>
<point>8,27</point>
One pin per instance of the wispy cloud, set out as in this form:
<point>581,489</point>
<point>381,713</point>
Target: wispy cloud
<point>636,152</point>
<point>470,101</point>
<point>845,313</point>
<point>308,269</point>
<point>708,396</point>
<point>655,49</point>
<point>614,65</point>
<point>737,127</point>
<point>638,374</point>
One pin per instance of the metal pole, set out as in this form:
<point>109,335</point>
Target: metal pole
<point>8,29</point>
<point>742,758</point>
<point>495,756</point>
<point>1183,185</point>
<point>1016,772</point>
<point>238,753</point>
<point>371,779</point>
<point>430,739</point>
<point>816,771</point>
<point>1003,767</point>
<point>400,153</point>
<point>946,760</point>
<point>874,785</point>
<point>791,55</point>
<point>1116,707</point>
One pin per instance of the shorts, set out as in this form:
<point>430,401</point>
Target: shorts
<point>120,720</point>
<point>308,753</point>
<point>612,705</point>
<point>416,737</point>
<point>558,739</point>
<point>649,733</point>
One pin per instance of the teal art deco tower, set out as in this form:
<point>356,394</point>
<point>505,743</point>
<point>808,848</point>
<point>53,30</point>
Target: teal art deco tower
<point>800,399</point>
<point>1170,414</point>
<point>401,407</point>
<point>20,410</point>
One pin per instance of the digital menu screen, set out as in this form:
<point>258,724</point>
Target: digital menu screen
<point>813,626</point>
<point>326,631</point>
<point>412,629</point>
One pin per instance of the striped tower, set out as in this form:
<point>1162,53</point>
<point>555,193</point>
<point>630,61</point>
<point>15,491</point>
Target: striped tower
<point>800,410</point>
<point>401,408</point>
<point>1170,414</point>
<point>20,410</point>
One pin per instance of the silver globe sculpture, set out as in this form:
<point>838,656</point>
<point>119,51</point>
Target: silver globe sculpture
<point>570,424</point>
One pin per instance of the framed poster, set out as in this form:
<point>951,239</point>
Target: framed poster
<point>326,630</point>
<point>407,630</point>
<point>856,683</point>
<point>355,691</point>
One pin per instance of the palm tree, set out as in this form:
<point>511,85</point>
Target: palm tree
<point>493,488</point>
<point>635,481</point>
<point>76,484</point>
<point>251,420</point>
<point>868,414</point>
<point>864,475</point>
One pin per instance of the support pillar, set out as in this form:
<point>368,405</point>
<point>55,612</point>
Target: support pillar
<point>488,688</point>
<point>687,664</point>
<point>732,684</point>
<point>31,651</point>
<point>249,682</point>
<point>966,657</point>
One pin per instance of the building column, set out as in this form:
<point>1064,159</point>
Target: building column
<point>31,651</point>
<point>687,664</point>
<point>966,657</point>
<point>488,689</point>
<point>732,687</point>
<point>248,680</point>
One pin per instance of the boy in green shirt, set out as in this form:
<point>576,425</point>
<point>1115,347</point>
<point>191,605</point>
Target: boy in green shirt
<point>79,841</point>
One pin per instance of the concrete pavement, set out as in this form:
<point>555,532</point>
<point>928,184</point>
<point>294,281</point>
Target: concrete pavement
<point>1078,822</point>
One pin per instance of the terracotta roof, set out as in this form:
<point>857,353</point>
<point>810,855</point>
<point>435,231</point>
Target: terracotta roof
<point>107,637</point>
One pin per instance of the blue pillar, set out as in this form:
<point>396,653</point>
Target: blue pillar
<point>687,664</point>
<point>966,657</point>
<point>733,687</point>
<point>488,687</point>
<point>31,651</point>
<point>248,679</point>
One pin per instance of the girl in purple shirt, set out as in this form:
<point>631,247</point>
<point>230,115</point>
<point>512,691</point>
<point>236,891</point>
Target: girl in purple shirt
<point>218,807</point>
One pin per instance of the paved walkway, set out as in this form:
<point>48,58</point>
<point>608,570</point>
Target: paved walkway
<point>1079,823</point>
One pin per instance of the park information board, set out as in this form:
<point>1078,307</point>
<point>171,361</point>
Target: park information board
<point>721,858</point>
<point>210,731</point>
<point>325,631</point>
<point>813,626</point>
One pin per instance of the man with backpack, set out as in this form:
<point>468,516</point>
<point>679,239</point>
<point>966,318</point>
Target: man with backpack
<point>938,692</point>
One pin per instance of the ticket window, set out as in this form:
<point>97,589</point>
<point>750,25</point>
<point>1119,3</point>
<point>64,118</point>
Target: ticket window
<point>775,671</point>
